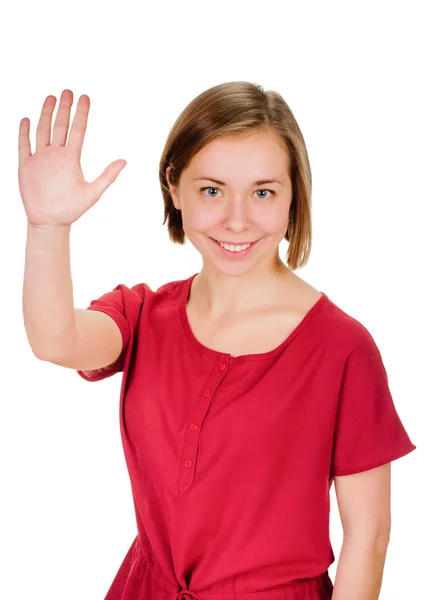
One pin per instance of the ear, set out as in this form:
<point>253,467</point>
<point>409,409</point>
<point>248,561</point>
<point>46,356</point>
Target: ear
<point>172,189</point>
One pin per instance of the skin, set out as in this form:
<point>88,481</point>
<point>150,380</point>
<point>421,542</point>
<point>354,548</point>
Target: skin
<point>240,212</point>
<point>364,501</point>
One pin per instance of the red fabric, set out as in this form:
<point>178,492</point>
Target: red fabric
<point>231,459</point>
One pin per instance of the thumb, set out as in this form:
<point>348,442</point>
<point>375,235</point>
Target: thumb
<point>107,177</point>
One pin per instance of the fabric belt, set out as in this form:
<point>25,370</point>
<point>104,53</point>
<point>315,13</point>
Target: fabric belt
<point>185,594</point>
<point>316,588</point>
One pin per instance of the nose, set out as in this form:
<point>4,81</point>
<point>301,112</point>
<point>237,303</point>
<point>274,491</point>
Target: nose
<point>237,215</point>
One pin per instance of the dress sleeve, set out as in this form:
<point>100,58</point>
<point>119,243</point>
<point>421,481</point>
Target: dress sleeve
<point>123,305</point>
<point>368,430</point>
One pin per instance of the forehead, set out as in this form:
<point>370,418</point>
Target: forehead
<point>260,153</point>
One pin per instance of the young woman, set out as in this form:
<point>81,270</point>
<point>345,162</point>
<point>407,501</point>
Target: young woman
<point>246,392</point>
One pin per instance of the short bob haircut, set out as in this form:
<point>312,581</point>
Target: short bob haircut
<point>231,109</point>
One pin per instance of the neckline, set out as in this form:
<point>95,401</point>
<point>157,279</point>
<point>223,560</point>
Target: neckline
<point>183,299</point>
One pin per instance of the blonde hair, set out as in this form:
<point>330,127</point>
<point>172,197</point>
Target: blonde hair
<point>239,108</point>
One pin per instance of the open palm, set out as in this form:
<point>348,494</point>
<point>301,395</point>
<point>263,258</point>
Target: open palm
<point>51,181</point>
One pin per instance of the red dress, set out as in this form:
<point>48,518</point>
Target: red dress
<point>231,459</point>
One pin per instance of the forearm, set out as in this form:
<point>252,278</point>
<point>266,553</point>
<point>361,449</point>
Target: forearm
<point>360,568</point>
<point>48,307</point>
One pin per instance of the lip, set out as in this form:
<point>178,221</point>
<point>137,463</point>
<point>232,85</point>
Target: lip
<point>235,243</point>
<point>235,255</point>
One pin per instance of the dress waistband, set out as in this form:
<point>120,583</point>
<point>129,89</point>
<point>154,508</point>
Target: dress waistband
<point>314,588</point>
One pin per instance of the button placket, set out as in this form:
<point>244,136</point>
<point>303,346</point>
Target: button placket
<point>191,446</point>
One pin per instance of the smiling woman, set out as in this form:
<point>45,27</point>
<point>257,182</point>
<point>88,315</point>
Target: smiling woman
<point>271,210</point>
<point>246,391</point>
<point>239,212</point>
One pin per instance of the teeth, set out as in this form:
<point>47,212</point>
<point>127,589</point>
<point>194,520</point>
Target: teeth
<point>234,248</point>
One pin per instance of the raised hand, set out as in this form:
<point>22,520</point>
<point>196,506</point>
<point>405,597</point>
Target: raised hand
<point>51,182</point>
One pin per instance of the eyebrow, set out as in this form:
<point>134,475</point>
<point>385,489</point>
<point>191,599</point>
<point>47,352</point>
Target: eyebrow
<point>259,182</point>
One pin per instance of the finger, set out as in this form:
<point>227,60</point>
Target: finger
<point>61,124</point>
<point>24,149</point>
<point>79,124</point>
<point>107,177</point>
<point>43,130</point>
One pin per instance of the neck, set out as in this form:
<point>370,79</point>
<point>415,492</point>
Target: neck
<point>217,294</point>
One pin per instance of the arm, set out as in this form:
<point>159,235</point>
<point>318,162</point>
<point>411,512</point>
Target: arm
<point>364,507</point>
<point>58,333</point>
<point>48,307</point>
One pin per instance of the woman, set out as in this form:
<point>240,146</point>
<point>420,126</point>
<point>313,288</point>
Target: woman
<point>246,391</point>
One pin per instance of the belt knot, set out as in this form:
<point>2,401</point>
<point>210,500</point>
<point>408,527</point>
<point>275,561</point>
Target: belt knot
<point>186,594</point>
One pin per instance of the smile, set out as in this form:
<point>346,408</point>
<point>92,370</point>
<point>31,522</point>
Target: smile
<point>235,250</point>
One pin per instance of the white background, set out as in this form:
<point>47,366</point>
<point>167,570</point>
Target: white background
<point>358,77</point>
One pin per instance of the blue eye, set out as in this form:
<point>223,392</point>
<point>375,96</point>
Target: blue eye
<point>264,190</point>
<point>260,190</point>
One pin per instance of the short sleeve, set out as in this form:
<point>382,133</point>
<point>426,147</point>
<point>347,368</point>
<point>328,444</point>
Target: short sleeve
<point>123,305</point>
<point>368,431</point>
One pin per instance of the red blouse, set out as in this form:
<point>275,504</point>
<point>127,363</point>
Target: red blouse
<point>231,459</point>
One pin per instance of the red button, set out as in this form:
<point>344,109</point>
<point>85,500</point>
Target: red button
<point>207,393</point>
<point>193,426</point>
<point>188,463</point>
<point>222,366</point>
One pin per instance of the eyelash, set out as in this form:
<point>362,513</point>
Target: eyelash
<point>261,189</point>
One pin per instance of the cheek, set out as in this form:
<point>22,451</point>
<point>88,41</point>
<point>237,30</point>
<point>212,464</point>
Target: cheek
<point>273,222</point>
<point>200,220</point>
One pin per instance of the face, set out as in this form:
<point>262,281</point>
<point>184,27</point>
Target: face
<point>232,207</point>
